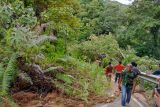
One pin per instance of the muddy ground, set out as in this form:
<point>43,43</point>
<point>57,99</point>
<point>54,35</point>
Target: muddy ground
<point>54,99</point>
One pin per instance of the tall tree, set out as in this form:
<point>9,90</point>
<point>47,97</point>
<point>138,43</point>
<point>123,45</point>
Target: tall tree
<point>143,28</point>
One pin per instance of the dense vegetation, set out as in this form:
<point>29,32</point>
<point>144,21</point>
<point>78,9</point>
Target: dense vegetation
<point>65,38</point>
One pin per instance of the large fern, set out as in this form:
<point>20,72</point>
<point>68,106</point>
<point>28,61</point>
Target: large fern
<point>8,75</point>
<point>1,75</point>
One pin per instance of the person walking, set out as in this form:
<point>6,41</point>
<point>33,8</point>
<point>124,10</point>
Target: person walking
<point>127,84</point>
<point>157,73</point>
<point>109,71</point>
<point>136,72</point>
<point>118,69</point>
<point>157,94</point>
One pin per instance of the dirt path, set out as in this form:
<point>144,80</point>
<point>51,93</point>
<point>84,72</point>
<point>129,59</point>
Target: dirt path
<point>117,103</point>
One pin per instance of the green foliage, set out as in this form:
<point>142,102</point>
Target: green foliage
<point>90,50</point>
<point>86,79</point>
<point>7,75</point>
<point>142,28</point>
<point>112,17</point>
<point>17,36</point>
<point>51,52</point>
<point>89,15</point>
<point>101,17</point>
<point>62,17</point>
<point>66,78</point>
<point>16,15</point>
<point>1,74</point>
<point>106,25</point>
<point>17,23</point>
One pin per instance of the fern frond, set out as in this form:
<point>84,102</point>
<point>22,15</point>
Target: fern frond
<point>66,78</point>
<point>8,75</point>
<point>1,72</point>
<point>1,76</point>
<point>8,36</point>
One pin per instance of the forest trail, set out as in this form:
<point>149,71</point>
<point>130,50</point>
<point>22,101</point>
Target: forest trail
<point>137,100</point>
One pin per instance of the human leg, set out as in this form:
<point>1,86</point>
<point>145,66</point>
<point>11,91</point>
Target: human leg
<point>110,77</point>
<point>116,77</point>
<point>134,85</point>
<point>123,97</point>
<point>119,81</point>
<point>129,93</point>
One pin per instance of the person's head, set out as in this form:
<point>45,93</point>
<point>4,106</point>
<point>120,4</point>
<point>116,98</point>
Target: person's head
<point>134,64</point>
<point>109,63</point>
<point>120,62</point>
<point>129,67</point>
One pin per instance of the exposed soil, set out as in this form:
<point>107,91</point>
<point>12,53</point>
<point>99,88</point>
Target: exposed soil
<point>34,87</point>
<point>30,99</point>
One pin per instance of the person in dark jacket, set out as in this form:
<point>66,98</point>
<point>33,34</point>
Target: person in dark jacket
<point>157,73</point>
<point>157,95</point>
<point>135,68</point>
<point>136,72</point>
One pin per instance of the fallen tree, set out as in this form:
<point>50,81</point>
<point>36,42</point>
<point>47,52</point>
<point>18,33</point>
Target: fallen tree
<point>32,78</point>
